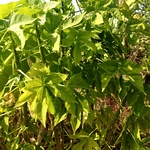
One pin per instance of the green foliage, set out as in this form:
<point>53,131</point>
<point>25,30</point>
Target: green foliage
<point>74,80</point>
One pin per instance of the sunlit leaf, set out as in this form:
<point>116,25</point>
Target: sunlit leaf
<point>27,11</point>
<point>6,9</point>
<point>20,34</point>
<point>17,20</point>
<point>98,19</point>
<point>56,45</point>
<point>56,78</point>
<point>73,21</point>
<point>50,5</point>
<point>49,102</point>
<point>24,98</point>
<point>34,84</point>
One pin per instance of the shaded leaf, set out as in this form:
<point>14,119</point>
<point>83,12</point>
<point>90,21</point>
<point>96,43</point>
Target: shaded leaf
<point>65,94</point>
<point>105,78</point>
<point>79,146</point>
<point>76,81</point>
<point>77,53</point>
<point>90,144</point>
<point>133,70</point>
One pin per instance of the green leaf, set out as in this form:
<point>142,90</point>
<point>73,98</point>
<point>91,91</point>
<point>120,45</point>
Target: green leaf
<point>56,78</point>
<point>4,76</point>
<point>20,34</point>
<point>7,9</point>
<point>56,44</point>
<point>24,98</point>
<point>70,37</point>
<point>110,68</point>
<point>36,70</point>
<point>60,114</point>
<point>28,11</point>
<point>72,21</point>
<point>65,94</point>
<point>130,2</point>
<point>83,101</point>
<point>75,123</point>
<point>133,70</point>
<point>71,108</point>
<point>76,81</point>
<point>42,109</point>
<point>49,102</point>
<point>98,19</point>
<point>75,116</point>
<point>50,5</point>
<point>16,20</point>
<point>79,146</point>
<point>90,144</point>
<point>139,106</point>
<point>34,84</point>
<point>77,53</point>
<point>105,78</point>
<point>39,107</point>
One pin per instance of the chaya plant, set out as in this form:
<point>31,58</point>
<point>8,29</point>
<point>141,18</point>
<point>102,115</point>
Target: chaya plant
<point>68,79</point>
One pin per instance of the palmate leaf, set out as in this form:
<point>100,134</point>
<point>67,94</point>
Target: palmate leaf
<point>6,9</point>
<point>73,21</point>
<point>76,81</point>
<point>60,111</point>
<point>75,122</point>
<point>133,70</point>
<point>50,5</point>
<point>79,146</point>
<point>34,84</point>
<point>56,78</point>
<point>28,11</point>
<point>49,102</point>
<point>38,106</point>
<point>16,20</point>
<point>110,67</point>
<point>24,98</point>
<point>105,79</point>
<point>98,19</point>
<point>65,94</point>
<point>90,144</point>
<point>20,34</point>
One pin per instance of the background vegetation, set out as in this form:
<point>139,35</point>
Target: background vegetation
<point>75,80</point>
